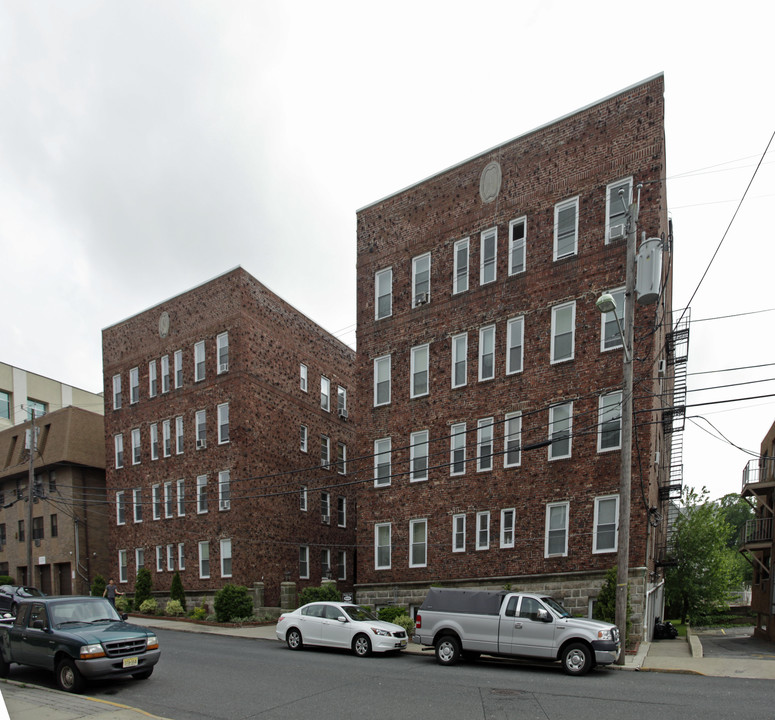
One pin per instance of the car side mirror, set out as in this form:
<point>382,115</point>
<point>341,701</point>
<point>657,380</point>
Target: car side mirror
<point>342,619</point>
<point>543,615</point>
<point>124,616</point>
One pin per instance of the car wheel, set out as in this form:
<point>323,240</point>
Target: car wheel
<point>361,645</point>
<point>448,650</point>
<point>293,639</point>
<point>144,675</point>
<point>577,659</point>
<point>69,677</point>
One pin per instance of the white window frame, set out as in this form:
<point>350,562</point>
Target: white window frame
<point>508,527</point>
<point>556,310</point>
<point>341,511</point>
<point>512,433</point>
<point>459,347</point>
<point>134,386</point>
<point>139,559</point>
<point>341,458</point>
<point>341,401</point>
<point>515,339</point>
<point>180,493</point>
<point>303,562</point>
<point>118,450</point>
<point>154,428</point>
<point>200,420</point>
<point>517,246</point>
<point>483,530</point>
<point>609,320</point>
<point>486,339</point>
<point>615,211</point>
<point>418,544</point>
<point>457,442</point>
<point>156,501</point>
<point>325,563</point>
<point>383,447</point>
<point>165,374</point>
<point>225,557</point>
<point>135,440</point>
<point>303,504</point>
<point>137,505</point>
<point>417,269</point>
<point>166,438</point>
<point>382,368</point>
<point>609,410</point>
<point>168,504</point>
<point>418,367</point>
<point>179,435</point>
<point>418,451</point>
<point>177,364</point>
<point>199,361</point>
<point>122,566</point>
<point>325,451</point>
<point>325,507</point>
<point>461,272</point>
<point>559,208</point>
<point>223,422</point>
<point>596,549</point>
<point>153,380</point>
<point>303,377</point>
<point>383,288</point>
<point>488,262</point>
<point>201,494</point>
<point>553,411</point>
<point>224,490</point>
<point>553,528</point>
<point>170,557</point>
<point>485,437</point>
<point>117,392</point>
<point>120,508</point>
<point>377,546</point>
<point>222,352</point>
<point>204,557</point>
<point>303,438</point>
<point>325,393</point>
<point>159,558</point>
<point>341,565</point>
<point>459,533</point>
<point>181,556</point>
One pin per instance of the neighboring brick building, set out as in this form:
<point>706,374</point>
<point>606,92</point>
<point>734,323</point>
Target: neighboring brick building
<point>69,525</point>
<point>479,339</point>
<point>206,396</point>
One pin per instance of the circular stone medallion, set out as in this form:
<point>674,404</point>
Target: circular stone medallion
<point>490,181</point>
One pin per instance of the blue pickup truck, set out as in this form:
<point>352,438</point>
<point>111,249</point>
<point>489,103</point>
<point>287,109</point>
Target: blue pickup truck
<point>77,638</point>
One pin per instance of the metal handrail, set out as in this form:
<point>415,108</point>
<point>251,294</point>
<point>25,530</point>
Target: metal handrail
<point>759,470</point>
<point>756,530</point>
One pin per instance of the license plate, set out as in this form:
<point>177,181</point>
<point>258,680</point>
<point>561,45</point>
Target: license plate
<point>130,662</point>
<point>403,643</point>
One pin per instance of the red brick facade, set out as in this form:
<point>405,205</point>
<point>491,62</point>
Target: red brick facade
<point>258,378</point>
<point>576,157</point>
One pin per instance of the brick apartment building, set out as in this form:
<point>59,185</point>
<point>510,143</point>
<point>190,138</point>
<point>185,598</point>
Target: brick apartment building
<point>69,533</point>
<point>479,342</point>
<point>227,438</point>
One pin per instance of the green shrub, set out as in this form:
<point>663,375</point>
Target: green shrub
<point>405,622</point>
<point>605,607</point>
<point>7,580</point>
<point>174,608</point>
<point>122,603</point>
<point>98,585</point>
<point>142,587</point>
<point>232,601</point>
<point>326,592</point>
<point>149,607</point>
<point>389,613</point>
<point>176,589</point>
<point>199,613</point>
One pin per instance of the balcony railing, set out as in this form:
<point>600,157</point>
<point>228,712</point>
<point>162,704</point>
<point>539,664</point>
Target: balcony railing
<point>758,530</point>
<point>759,470</point>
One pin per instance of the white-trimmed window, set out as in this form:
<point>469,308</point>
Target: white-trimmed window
<point>341,565</point>
<point>419,370</point>
<point>341,401</point>
<point>122,565</point>
<point>139,559</point>
<point>566,228</point>
<point>418,456</point>
<point>383,293</point>
<point>303,377</point>
<point>201,429</point>
<point>484,443</point>
<point>156,501</point>
<point>421,279</point>
<point>325,393</point>
<point>135,446</point>
<point>382,380</point>
<point>166,438</point>
<point>134,385</point>
<point>606,524</point>
<point>325,507</point>
<point>460,278</point>
<point>563,332</point>
<point>153,381</point>
<point>483,530</point>
<point>226,557</point>
<point>459,533</point>
<point>325,563</point>
<point>610,337</point>
<point>120,508</point>
<point>303,562</point>
<point>459,360</point>
<point>325,451</point>
<point>515,334</point>
<point>181,556</point>
<point>382,462</point>
<point>199,361</point>
<point>118,444</point>
<point>303,498</point>
<point>341,458</point>
<point>154,427</point>
<point>616,209</point>
<point>560,429</point>
<point>181,497</point>
<point>201,494</point>
<point>168,501</point>
<point>224,490</point>
<point>204,559</point>
<point>457,449</point>
<point>179,435</point>
<point>507,527</point>
<point>222,350</point>
<point>160,558</point>
<point>382,532</point>
<point>165,373</point>
<point>341,511</point>
<point>487,353</point>
<point>170,557</point>
<point>303,433</point>
<point>178,365</point>
<point>517,245</point>
<point>418,543</point>
<point>512,440</point>
<point>137,505</point>
<point>609,436</point>
<point>488,256</point>
<point>556,541</point>
<point>117,392</point>
<point>223,423</point>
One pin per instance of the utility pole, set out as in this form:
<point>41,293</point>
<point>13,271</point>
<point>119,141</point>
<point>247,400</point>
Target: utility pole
<point>30,496</point>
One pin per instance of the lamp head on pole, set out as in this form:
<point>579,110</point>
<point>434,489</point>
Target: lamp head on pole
<point>606,303</point>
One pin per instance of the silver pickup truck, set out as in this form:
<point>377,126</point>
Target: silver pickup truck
<point>468,623</point>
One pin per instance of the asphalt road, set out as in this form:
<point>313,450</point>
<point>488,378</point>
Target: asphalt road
<point>218,677</point>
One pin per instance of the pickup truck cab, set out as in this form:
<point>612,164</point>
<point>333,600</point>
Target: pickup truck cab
<point>467,623</point>
<point>76,638</point>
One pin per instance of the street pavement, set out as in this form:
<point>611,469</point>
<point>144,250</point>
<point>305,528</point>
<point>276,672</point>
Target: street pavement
<point>731,653</point>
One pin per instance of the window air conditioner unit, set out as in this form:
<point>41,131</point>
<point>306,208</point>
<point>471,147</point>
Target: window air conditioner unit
<point>200,444</point>
<point>617,232</point>
<point>326,519</point>
<point>661,367</point>
<point>421,299</point>
<point>223,367</point>
<point>343,413</point>
<point>224,504</point>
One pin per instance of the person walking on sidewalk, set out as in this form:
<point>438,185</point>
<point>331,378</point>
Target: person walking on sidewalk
<point>111,591</point>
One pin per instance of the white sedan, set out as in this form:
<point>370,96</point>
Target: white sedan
<point>339,625</point>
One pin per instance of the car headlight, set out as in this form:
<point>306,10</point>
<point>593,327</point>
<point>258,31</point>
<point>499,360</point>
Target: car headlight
<point>380,631</point>
<point>151,642</point>
<point>91,651</point>
<point>605,635</point>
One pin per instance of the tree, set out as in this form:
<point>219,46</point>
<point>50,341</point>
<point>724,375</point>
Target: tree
<point>605,605</point>
<point>142,587</point>
<point>706,569</point>
<point>98,586</point>
<point>176,589</point>
<point>737,512</point>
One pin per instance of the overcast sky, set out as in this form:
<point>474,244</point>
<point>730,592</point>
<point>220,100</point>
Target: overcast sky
<point>146,147</point>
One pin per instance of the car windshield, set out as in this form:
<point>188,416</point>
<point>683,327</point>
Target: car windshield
<point>358,613</point>
<point>554,605</point>
<point>83,610</point>
<point>30,592</point>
